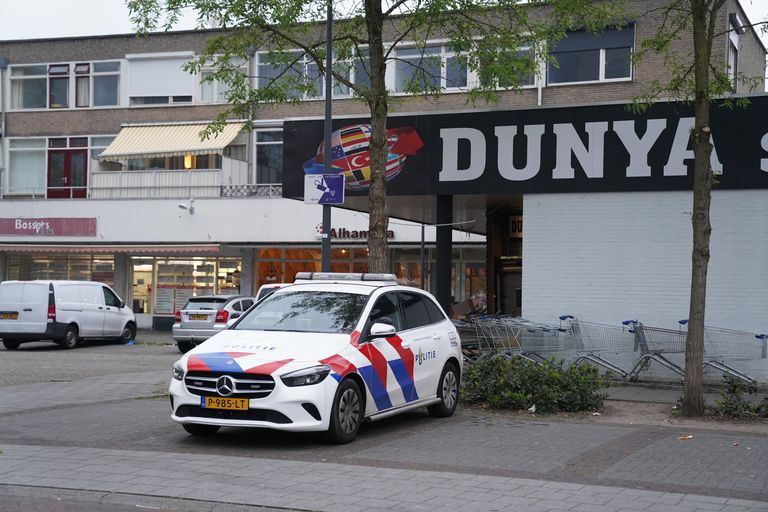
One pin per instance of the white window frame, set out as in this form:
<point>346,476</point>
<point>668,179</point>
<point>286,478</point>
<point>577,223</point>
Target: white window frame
<point>601,68</point>
<point>216,86</point>
<point>305,62</point>
<point>72,84</point>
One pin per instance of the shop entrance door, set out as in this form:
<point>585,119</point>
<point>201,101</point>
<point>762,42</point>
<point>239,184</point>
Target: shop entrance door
<point>67,173</point>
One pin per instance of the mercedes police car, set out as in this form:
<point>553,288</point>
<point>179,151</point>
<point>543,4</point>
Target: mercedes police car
<point>324,354</point>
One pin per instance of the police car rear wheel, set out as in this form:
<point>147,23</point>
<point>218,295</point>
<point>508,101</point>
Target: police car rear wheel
<point>201,430</point>
<point>447,391</point>
<point>346,413</point>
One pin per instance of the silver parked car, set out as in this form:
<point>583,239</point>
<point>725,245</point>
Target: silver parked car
<point>205,315</point>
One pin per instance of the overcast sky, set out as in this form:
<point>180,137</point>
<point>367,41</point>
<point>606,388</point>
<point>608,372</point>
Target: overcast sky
<point>32,19</point>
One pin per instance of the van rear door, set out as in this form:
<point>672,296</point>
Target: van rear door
<point>23,307</point>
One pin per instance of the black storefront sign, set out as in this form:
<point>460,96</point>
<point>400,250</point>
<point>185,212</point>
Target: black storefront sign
<point>602,148</point>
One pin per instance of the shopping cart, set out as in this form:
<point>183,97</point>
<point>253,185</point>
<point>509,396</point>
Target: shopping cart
<point>540,341</point>
<point>721,345</point>
<point>594,341</point>
<point>655,344</point>
<point>496,336</point>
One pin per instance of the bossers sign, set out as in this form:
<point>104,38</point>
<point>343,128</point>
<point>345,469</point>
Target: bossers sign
<point>48,226</point>
<point>600,148</point>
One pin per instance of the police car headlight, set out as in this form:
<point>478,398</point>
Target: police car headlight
<point>178,370</point>
<point>307,376</point>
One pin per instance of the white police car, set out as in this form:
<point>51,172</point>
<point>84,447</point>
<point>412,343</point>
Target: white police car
<point>324,354</point>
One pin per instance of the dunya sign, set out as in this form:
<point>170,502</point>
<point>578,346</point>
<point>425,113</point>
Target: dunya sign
<point>582,149</point>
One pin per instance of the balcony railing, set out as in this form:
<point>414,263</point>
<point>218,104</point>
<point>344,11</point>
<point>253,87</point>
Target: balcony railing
<point>155,184</point>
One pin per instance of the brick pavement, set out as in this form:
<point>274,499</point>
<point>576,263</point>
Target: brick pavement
<point>326,486</point>
<point>472,461</point>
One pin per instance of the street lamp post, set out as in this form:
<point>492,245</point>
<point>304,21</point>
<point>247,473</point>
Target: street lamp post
<point>326,240</point>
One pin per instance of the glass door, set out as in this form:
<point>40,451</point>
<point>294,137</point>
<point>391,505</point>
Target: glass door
<point>67,173</point>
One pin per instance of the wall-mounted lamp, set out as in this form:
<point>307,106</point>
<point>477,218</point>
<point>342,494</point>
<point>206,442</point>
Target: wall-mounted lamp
<point>189,207</point>
<point>187,162</point>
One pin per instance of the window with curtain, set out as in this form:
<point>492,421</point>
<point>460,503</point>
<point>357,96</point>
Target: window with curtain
<point>29,87</point>
<point>27,166</point>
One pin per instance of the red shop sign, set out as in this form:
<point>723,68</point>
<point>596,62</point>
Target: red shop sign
<point>48,226</point>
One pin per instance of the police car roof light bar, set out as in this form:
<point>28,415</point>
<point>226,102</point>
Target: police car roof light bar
<point>344,276</point>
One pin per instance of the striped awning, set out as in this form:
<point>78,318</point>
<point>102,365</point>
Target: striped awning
<point>158,140</point>
<point>111,249</point>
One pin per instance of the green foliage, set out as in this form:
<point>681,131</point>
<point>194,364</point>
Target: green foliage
<point>733,403</point>
<point>518,384</point>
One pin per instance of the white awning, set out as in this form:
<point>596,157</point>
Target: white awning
<point>158,140</point>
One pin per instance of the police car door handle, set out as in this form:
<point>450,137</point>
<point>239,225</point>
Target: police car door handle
<point>405,344</point>
<point>436,337</point>
<point>27,309</point>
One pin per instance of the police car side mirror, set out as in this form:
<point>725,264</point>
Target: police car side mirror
<point>379,330</point>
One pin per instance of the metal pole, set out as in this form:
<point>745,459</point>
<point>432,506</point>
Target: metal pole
<point>421,259</point>
<point>326,246</point>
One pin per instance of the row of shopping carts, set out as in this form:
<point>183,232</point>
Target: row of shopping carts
<point>608,346</point>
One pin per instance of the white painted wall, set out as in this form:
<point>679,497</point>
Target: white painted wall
<point>256,220</point>
<point>613,256</point>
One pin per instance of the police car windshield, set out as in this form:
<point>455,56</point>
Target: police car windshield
<point>306,311</point>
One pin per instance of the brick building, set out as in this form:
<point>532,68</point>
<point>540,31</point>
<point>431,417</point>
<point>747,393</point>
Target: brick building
<point>82,118</point>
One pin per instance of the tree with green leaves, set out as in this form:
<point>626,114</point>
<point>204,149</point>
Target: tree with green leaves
<point>500,40</point>
<point>700,79</point>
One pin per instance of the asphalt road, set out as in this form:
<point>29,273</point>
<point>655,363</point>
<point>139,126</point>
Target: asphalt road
<point>89,429</point>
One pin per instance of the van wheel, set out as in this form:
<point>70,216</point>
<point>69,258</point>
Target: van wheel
<point>69,340</point>
<point>346,413</point>
<point>447,392</point>
<point>11,344</point>
<point>185,346</point>
<point>129,333</point>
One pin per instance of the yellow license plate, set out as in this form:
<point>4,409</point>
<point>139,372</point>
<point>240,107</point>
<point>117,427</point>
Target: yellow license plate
<point>198,317</point>
<point>9,315</point>
<point>232,404</point>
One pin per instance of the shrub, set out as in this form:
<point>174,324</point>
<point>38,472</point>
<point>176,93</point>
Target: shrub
<point>517,383</point>
<point>733,403</point>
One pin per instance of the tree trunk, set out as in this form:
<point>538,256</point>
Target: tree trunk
<point>693,400</point>
<point>378,250</point>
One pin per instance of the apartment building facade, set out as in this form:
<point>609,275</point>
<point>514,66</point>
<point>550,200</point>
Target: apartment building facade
<point>104,177</point>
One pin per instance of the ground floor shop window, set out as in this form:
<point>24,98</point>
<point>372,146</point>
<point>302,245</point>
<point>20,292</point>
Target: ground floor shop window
<point>161,286</point>
<point>25,267</point>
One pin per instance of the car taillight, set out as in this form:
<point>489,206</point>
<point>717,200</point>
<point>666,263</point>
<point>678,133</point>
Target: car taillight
<point>177,316</point>
<point>222,315</point>
<point>51,312</point>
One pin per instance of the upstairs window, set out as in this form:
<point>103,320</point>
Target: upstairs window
<point>428,69</point>
<point>29,87</point>
<point>300,78</point>
<point>521,64</point>
<point>42,86</point>
<point>213,90</point>
<point>159,79</point>
<point>58,89</point>
<point>587,57</point>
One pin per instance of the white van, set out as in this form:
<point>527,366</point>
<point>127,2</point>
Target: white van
<point>62,311</point>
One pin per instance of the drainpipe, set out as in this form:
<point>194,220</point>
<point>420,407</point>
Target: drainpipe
<point>3,68</point>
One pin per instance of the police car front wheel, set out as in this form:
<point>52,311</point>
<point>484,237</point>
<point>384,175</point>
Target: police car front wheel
<point>346,413</point>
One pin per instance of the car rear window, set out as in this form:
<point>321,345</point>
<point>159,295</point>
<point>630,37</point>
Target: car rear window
<point>205,303</point>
